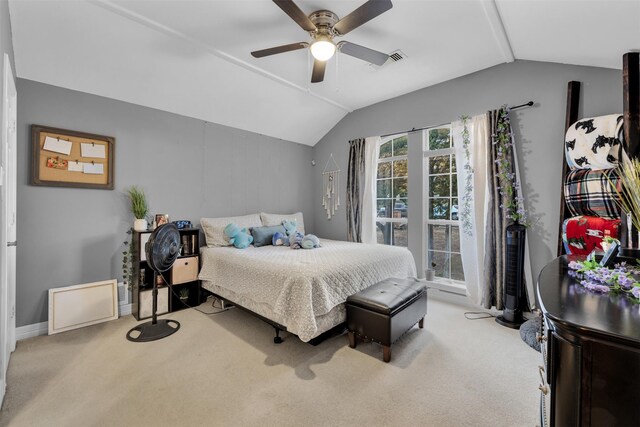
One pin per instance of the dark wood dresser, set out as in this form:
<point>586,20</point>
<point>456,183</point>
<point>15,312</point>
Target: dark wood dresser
<point>591,353</point>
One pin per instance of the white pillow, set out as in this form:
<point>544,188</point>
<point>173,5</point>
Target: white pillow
<point>213,228</point>
<point>276,219</point>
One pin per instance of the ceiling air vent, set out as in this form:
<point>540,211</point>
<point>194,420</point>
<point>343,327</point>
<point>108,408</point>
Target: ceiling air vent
<point>395,56</point>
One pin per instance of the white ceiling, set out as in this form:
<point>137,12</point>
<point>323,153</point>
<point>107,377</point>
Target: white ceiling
<point>192,57</point>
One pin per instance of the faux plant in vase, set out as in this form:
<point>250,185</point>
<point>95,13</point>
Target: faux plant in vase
<point>139,207</point>
<point>629,195</point>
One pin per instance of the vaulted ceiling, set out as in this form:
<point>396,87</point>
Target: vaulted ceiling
<point>192,57</point>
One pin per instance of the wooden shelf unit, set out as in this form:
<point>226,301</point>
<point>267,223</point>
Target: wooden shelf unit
<point>182,277</point>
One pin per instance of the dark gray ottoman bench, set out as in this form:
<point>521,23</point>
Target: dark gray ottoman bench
<point>385,311</point>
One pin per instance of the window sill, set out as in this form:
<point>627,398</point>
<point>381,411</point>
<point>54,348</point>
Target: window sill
<point>447,286</point>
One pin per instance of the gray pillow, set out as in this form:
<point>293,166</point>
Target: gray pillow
<point>263,236</point>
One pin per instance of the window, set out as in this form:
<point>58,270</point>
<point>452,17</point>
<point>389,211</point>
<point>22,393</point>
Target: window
<point>391,191</point>
<point>441,205</point>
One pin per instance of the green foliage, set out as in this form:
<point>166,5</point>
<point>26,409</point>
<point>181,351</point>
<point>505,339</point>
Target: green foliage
<point>512,199</point>
<point>138,199</point>
<point>629,196</point>
<point>439,138</point>
<point>127,260</point>
<point>184,293</point>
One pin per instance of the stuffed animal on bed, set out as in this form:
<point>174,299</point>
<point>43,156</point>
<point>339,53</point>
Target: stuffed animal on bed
<point>279,239</point>
<point>240,238</point>
<point>295,239</point>
<point>310,241</point>
<point>290,227</point>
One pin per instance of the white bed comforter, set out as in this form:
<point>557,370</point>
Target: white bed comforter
<point>302,284</point>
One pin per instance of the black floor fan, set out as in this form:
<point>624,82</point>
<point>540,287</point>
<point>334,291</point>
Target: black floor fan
<point>162,249</point>
<point>514,292</point>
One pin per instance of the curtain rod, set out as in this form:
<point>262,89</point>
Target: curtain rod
<point>528,104</point>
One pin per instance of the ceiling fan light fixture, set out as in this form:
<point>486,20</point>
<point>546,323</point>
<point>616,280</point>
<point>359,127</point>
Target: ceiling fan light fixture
<point>323,48</point>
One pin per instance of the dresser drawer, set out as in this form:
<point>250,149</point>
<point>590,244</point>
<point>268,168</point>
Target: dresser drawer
<point>184,270</point>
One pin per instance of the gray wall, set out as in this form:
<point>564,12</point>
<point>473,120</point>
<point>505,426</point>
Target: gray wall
<point>6,42</point>
<point>188,168</point>
<point>538,131</point>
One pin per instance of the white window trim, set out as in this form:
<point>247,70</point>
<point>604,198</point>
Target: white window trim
<point>444,284</point>
<point>391,160</point>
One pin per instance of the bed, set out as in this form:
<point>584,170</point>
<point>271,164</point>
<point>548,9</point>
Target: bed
<point>301,290</point>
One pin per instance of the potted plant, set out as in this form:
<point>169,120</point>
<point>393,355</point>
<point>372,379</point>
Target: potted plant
<point>430,273</point>
<point>629,201</point>
<point>139,207</point>
<point>184,295</point>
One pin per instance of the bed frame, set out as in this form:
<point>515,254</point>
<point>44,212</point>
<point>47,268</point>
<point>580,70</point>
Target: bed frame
<point>631,128</point>
<point>336,330</point>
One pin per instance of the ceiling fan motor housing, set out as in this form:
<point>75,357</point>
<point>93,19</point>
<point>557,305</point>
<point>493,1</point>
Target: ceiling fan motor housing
<point>324,20</point>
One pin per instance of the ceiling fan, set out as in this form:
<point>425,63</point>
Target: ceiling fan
<point>323,26</point>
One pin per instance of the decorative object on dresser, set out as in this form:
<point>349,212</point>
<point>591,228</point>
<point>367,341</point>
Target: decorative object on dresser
<point>183,274</point>
<point>162,250</point>
<point>385,311</point>
<point>67,158</point>
<point>591,352</point>
<point>139,207</point>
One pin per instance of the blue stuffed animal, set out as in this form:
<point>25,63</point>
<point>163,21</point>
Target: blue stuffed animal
<point>279,239</point>
<point>240,238</point>
<point>310,241</point>
<point>290,227</point>
<point>295,240</point>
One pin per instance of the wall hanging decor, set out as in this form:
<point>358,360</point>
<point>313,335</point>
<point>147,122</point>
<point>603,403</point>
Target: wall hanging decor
<point>330,186</point>
<point>66,158</point>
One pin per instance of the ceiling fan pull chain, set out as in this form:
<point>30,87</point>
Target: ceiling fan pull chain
<point>308,69</point>
<point>337,74</point>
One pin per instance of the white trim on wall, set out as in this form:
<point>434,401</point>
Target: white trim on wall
<point>42,328</point>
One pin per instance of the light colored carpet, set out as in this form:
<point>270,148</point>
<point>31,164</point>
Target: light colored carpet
<point>224,370</point>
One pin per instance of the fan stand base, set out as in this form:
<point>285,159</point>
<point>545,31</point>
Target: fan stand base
<point>508,323</point>
<point>150,331</point>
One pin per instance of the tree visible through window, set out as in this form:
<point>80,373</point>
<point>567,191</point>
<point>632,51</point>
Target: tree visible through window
<point>392,203</point>
<point>441,203</point>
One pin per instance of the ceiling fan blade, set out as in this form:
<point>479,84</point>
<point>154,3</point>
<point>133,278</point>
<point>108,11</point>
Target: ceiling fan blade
<point>279,49</point>
<point>318,71</point>
<point>363,14</point>
<point>294,12</point>
<point>364,53</point>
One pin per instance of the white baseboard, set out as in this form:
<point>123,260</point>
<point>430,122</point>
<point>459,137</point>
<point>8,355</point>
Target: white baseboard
<point>33,330</point>
<point>42,328</point>
<point>458,299</point>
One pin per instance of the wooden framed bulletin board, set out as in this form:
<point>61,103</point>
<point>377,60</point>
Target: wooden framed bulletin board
<point>66,158</point>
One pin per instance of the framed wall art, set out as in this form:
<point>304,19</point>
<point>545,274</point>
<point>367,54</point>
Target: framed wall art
<point>67,158</point>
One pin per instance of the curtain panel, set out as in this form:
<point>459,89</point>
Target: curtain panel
<point>355,180</point>
<point>361,189</point>
<point>483,216</point>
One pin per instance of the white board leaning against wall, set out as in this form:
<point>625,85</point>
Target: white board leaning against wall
<point>77,306</point>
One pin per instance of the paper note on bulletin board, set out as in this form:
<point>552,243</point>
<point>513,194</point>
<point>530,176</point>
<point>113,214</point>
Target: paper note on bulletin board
<point>88,164</point>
